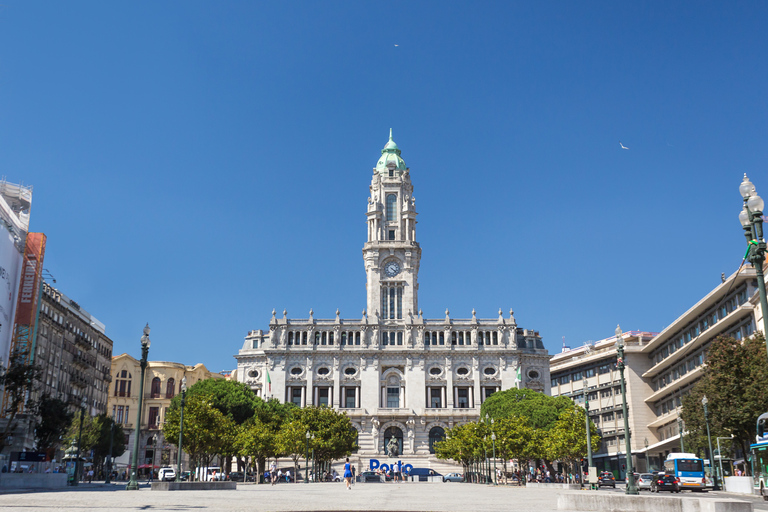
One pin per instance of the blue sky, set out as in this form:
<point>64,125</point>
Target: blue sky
<point>196,164</point>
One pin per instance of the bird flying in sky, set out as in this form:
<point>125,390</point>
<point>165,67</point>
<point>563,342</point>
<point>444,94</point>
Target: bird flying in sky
<point>622,145</point>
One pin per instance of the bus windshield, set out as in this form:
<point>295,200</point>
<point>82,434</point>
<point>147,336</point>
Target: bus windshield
<point>690,465</point>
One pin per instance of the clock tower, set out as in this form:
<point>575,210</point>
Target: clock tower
<point>391,253</point>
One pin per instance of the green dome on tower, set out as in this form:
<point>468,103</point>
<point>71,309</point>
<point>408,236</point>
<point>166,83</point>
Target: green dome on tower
<point>390,154</point>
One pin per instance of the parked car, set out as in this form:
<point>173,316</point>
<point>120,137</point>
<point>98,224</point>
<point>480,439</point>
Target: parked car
<point>607,479</point>
<point>166,474</point>
<point>665,483</point>
<point>423,474</point>
<point>453,477</point>
<point>644,481</point>
<point>626,478</point>
<point>370,476</point>
<point>185,476</point>
<point>239,476</point>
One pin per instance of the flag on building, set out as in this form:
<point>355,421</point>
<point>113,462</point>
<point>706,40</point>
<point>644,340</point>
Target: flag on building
<point>269,381</point>
<point>519,377</point>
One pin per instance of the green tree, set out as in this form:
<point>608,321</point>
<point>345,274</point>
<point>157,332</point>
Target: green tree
<point>334,434</point>
<point>96,435</point>
<point>256,440</point>
<point>18,384</point>
<point>103,425</point>
<point>568,437</point>
<point>54,418</point>
<point>513,437</point>
<point>292,441</point>
<point>541,410</point>
<point>458,445</point>
<point>206,430</point>
<point>734,383</point>
<point>234,399</point>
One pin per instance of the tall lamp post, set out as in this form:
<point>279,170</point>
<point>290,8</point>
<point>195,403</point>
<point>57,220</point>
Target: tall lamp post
<point>704,402</point>
<point>495,474</point>
<point>589,431</point>
<point>83,405</point>
<point>181,427</point>
<point>109,458</point>
<point>751,218</point>
<point>631,487</point>
<point>306,466</point>
<point>680,427</point>
<point>154,457</point>
<point>314,467</point>
<point>133,483</point>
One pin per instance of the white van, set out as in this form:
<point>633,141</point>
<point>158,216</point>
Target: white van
<point>166,474</point>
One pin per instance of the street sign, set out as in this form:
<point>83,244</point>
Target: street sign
<point>29,456</point>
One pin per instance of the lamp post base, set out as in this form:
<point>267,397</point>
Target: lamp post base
<point>133,485</point>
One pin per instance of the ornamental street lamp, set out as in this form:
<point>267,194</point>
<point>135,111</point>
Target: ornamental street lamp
<point>181,426</point>
<point>485,458</point>
<point>589,432</point>
<point>314,467</point>
<point>704,402</point>
<point>680,427</point>
<point>154,456</point>
<point>306,465</point>
<point>631,487</point>
<point>751,218</point>
<point>495,475</point>
<point>133,484</point>
<point>83,405</point>
<point>109,458</point>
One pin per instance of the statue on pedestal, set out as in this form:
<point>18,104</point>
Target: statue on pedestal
<point>393,448</point>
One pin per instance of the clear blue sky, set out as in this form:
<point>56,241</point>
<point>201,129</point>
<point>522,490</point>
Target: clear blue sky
<point>196,164</point>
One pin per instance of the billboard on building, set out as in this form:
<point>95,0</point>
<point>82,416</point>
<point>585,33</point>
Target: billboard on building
<point>29,293</point>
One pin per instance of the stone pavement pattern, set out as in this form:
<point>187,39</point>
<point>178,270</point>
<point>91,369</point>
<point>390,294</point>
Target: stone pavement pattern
<point>406,497</point>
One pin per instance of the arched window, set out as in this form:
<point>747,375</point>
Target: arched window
<point>155,390</point>
<point>436,434</point>
<point>123,384</point>
<point>391,207</point>
<point>170,388</point>
<point>398,435</point>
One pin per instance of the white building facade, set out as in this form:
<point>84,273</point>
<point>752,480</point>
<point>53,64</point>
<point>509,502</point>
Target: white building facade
<point>392,371</point>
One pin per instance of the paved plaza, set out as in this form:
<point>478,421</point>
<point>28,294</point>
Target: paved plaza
<point>448,497</point>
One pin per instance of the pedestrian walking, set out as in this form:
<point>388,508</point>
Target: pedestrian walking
<point>273,472</point>
<point>353,474</point>
<point>348,474</point>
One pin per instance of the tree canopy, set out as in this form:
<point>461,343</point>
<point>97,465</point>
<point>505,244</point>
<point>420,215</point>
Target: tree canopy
<point>53,420</point>
<point>734,384</point>
<point>231,398</point>
<point>542,411</point>
<point>527,424</point>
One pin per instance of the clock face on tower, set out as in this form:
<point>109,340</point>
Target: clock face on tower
<point>391,269</point>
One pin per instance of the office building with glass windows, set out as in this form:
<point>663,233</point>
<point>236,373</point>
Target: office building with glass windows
<point>660,369</point>
<point>394,372</point>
